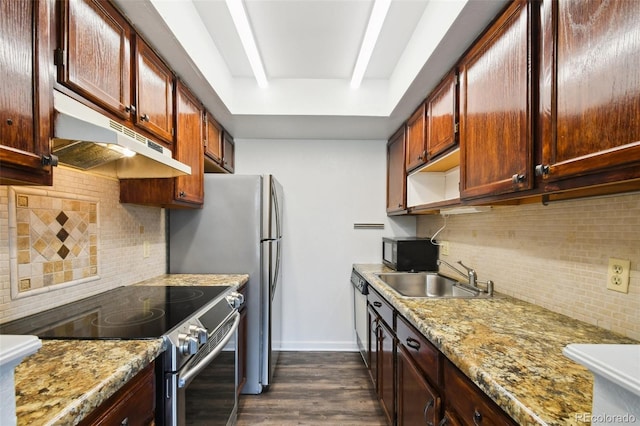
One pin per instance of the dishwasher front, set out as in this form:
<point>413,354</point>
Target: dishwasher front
<point>360,317</point>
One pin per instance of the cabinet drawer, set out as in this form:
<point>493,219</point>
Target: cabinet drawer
<point>472,406</point>
<point>425,355</point>
<point>381,306</point>
<point>133,404</point>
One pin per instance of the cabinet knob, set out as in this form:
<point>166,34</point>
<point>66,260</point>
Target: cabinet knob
<point>50,160</point>
<point>9,121</point>
<point>181,194</point>
<point>518,178</point>
<point>130,108</point>
<point>542,170</point>
<point>145,117</point>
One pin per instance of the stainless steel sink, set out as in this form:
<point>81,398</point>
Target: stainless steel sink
<point>429,284</point>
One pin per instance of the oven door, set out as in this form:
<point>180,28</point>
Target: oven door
<point>206,385</point>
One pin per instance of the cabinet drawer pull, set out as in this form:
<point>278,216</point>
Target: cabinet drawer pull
<point>377,304</point>
<point>542,170</point>
<point>477,418</point>
<point>518,178</point>
<point>49,160</point>
<point>426,412</point>
<point>413,343</point>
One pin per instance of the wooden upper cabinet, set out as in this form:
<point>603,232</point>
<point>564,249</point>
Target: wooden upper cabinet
<point>154,93</point>
<point>496,141</point>
<point>213,138</point>
<point>228,153</point>
<point>101,59</point>
<point>94,57</point>
<point>442,117</point>
<point>415,139</point>
<point>396,173</point>
<point>181,191</point>
<point>590,92</point>
<point>25,92</point>
<point>189,148</point>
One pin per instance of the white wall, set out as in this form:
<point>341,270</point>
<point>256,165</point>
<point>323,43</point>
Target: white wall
<point>329,186</point>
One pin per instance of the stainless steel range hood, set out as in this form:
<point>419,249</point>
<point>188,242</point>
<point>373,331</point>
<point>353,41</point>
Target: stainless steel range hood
<point>87,140</point>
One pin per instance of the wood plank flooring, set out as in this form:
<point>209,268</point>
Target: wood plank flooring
<point>315,388</point>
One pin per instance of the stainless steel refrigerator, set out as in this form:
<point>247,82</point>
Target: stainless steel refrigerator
<point>239,230</point>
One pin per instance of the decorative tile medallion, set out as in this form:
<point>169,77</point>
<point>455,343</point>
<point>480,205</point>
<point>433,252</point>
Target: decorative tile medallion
<point>53,240</point>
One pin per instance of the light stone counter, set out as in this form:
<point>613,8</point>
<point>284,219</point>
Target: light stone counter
<point>511,349</point>
<point>67,379</point>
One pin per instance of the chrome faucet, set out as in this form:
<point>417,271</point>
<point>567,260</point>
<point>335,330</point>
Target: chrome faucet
<point>470,274</point>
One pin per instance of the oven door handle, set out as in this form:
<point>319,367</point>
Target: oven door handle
<point>185,378</point>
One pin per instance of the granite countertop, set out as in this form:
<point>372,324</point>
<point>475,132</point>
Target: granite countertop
<point>67,379</point>
<point>511,349</point>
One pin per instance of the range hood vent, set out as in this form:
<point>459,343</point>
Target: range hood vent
<point>87,140</point>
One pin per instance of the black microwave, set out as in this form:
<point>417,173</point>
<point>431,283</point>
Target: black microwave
<point>410,254</point>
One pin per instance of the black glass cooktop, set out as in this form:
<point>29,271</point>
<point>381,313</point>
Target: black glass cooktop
<point>122,313</point>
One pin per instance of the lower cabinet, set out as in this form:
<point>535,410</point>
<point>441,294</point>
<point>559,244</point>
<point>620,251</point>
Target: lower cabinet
<point>132,405</point>
<point>382,350</point>
<point>415,383</point>
<point>418,401</point>
<point>470,405</point>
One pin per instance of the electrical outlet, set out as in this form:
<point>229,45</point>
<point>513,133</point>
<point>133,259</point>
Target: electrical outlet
<point>444,248</point>
<point>618,275</point>
<point>146,249</point>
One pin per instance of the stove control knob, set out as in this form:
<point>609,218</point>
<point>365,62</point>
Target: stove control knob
<point>199,333</point>
<point>187,344</point>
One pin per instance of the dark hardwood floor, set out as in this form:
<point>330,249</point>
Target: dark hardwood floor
<point>315,388</point>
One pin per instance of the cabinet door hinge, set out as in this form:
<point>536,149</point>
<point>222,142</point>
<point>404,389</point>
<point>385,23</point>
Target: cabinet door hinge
<point>58,57</point>
<point>456,128</point>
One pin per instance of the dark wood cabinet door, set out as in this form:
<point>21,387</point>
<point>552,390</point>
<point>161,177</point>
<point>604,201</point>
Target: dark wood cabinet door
<point>416,150</point>
<point>213,139</point>
<point>496,142</point>
<point>468,401</point>
<point>386,377</point>
<point>418,402</point>
<point>134,404</point>
<point>442,117</point>
<point>396,173</point>
<point>154,93</point>
<point>228,153</point>
<point>374,324</point>
<point>590,91</point>
<point>25,92</point>
<point>95,60</point>
<point>189,146</point>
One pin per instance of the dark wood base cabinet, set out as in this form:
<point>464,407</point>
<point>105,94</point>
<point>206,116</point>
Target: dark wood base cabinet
<point>132,405</point>
<point>427,389</point>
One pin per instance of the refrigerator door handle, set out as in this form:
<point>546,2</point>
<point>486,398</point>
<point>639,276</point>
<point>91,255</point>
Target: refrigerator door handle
<point>276,274</point>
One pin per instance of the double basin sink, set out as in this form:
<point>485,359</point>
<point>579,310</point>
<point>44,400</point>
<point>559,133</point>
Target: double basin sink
<point>430,285</point>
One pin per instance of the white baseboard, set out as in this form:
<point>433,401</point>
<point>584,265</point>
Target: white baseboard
<point>319,346</point>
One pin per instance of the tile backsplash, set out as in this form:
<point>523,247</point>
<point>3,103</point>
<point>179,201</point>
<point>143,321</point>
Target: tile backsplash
<point>73,240</point>
<point>53,240</point>
<point>555,256</point>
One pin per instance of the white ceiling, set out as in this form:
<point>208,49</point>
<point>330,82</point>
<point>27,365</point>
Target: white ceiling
<point>309,49</point>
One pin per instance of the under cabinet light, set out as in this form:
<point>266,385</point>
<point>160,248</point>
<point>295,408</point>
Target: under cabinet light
<point>240,20</point>
<point>378,15</point>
